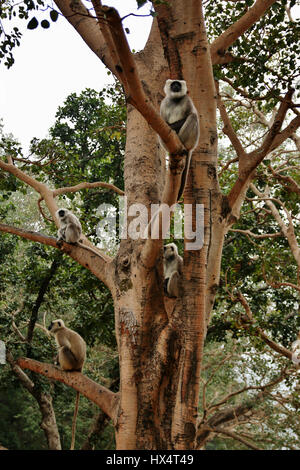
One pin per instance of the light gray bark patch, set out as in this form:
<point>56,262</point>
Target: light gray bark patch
<point>129,324</point>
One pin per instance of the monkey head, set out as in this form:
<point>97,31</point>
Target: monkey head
<point>175,88</point>
<point>56,325</point>
<point>61,213</point>
<point>170,251</point>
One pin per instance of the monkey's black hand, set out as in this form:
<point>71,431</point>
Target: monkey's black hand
<point>59,242</point>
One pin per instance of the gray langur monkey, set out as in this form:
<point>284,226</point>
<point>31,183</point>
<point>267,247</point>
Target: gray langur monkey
<point>70,230</point>
<point>71,356</point>
<point>173,264</point>
<point>178,110</point>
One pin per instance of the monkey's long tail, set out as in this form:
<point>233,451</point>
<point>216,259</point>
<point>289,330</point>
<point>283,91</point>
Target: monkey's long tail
<point>184,175</point>
<point>74,420</point>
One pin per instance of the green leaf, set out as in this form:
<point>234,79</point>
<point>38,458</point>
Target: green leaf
<point>45,24</point>
<point>33,23</point>
<point>53,15</point>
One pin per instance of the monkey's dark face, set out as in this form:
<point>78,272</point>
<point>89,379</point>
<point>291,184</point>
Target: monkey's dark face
<point>55,325</point>
<point>175,86</point>
<point>170,251</point>
<point>61,213</point>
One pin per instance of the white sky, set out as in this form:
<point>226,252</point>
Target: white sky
<point>52,63</point>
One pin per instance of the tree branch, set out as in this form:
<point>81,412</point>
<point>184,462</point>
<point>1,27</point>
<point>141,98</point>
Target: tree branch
<point>234,412</point>
<point>88,28</point>
<point>288,231</point>
<point>277,285</point>
<point>228,129</point>
<point>287,132</point>
<point>44,401</point>
<point>101,396</point>
<point>288,182</point>
<point>96,264</point>
<point>80,186</point>
<point>135,93</point>
<point>40,298</point>
<point>227,38</point>
<point>256,235</point>
<point>272,140</point>
<point>137,97</point>
<point>275,346</point>
<point>234,436</point>
<point>277,123</point>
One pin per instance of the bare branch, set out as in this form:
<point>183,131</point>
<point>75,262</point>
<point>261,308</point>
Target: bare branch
<point>80,186</point>
<point>44,400</point>
<point>135,93</point>
<point>277,123</point>
<point>24,379</point>
<point>277,285</point>
<point>98,394</point>
<point>29,235</point>
<point>272,140</point>
<point>41,210</point>
<point>88,28</point>
<point>288,231</point>
<point>228,37</point>
<point>256,235</point>
<point>287,132</point>
<point>83,256</point>
<point>234,436</point>
<point>276,347</point>
<point>225,167</point>
<point>15,171</point>
<point>98,265</point>
<point>104,28</point>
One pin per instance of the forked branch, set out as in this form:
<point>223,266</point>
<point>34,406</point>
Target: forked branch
<point>87,27</point>
<point>96,393</point>
<point>272,344</point>
<point>83,256</point>
<point>133,86</point>
<point>220,45</point>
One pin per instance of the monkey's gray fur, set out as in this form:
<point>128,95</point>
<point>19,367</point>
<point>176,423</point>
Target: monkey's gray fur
<point>173,264</point>
<point>71,346</point>
<point>178,110</point>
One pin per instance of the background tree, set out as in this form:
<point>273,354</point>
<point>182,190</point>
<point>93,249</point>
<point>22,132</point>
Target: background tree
<point>160,342</point>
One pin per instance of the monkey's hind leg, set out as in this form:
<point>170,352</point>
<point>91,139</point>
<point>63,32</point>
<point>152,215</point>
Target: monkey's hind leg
<point>67,360</point>
<point>173,285</point>
<point>189,132</point>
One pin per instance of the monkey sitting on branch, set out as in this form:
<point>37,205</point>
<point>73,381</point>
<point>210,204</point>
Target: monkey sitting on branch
<point>70,230</point>
<point>71,357</point>
<point>178,110</point>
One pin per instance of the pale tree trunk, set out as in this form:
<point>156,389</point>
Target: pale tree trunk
<point>160,354</point>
